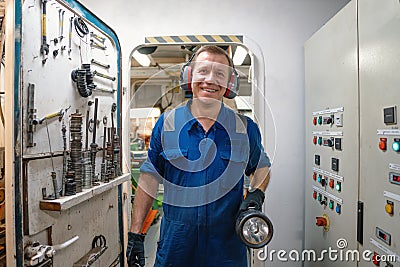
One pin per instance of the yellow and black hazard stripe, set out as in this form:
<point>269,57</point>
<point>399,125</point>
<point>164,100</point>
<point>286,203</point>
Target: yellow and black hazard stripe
<point>195,39</point>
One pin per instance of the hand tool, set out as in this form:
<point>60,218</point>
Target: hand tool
<point>44,49</point>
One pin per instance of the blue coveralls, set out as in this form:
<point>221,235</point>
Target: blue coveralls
<point>203,186</point>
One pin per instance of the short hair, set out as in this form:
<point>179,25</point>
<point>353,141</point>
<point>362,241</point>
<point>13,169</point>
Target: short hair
<point>213,49</point>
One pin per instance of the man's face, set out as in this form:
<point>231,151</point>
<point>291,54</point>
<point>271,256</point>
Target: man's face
<point>210,74</point>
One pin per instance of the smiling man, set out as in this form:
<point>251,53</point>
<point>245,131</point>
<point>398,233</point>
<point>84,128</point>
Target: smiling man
<point>201,152</point>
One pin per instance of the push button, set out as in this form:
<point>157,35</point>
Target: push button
<point>338,186</point>
<point>338,209</point>
<point>331,183</point>
<point>383,144</point>
<point>375,260</point>
<point>320,120</point>
<point>389,208</point>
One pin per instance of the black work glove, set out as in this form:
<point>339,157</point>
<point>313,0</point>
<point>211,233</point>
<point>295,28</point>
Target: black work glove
<point>135,250</point>
<point>253,199</point>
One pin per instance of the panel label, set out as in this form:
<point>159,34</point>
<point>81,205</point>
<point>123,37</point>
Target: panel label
<point>388,132</point>
<point>327,133</point>
<point>328,111</point>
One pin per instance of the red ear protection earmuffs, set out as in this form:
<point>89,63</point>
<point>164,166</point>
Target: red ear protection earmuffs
<point>232,88</point>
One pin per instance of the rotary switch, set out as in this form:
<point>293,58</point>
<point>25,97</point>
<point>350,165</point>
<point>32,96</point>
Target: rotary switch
<point>323,221</point>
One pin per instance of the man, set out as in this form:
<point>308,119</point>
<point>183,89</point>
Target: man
<point>201,152</point>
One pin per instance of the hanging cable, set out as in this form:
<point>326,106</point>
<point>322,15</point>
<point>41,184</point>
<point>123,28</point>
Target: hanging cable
<point>80,27</point>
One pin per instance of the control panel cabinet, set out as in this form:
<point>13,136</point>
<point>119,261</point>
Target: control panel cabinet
<point>332,140</point>
<point>379,129</point>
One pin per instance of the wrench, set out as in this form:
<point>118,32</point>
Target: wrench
<point>44,49</point>
<point>96,73</point>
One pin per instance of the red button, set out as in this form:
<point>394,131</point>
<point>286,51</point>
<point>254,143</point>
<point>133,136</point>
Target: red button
<point>375,259</point>
<point>315,140</point>
<point>315,195</point>
<point>314,176</point>
<point>331,183</point>
<point>382,144</point>
<point>315,121</point>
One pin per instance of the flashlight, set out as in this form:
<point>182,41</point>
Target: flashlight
<point>254,228</point>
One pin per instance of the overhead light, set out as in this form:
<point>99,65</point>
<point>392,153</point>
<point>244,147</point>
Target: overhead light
<point>147,50</point>
<point>143,60</point>
<point>239,56</point>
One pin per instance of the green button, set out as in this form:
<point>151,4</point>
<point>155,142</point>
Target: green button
<point>331,205</point>
<point>319,197</point>
<point>320,141</point>
<point>320,120</point>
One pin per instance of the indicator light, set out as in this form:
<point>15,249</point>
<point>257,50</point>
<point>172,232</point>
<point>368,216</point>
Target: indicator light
<point>375,259</point>
<point>331,204</point>
<point>338,208</point>
<point>331,183</point>
<point>338,186</point>
<point>383,144</point>
<point>396,145</point>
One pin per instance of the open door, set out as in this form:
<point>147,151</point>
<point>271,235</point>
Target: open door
<point>63,153</point>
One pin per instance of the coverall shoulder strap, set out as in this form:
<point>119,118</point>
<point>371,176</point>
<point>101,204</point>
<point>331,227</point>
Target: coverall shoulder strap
<point>241,123</point>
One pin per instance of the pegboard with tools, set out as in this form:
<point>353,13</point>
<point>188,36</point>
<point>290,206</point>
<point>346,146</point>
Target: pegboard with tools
<point>71,126</point>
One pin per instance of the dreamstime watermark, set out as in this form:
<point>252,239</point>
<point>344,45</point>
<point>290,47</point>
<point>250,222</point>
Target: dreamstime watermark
<point>339,254</point>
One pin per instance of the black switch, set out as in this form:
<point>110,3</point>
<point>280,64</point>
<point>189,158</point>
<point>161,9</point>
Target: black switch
<point>389,115</point>
<point>317,160</point>
<point>335,164</point>
<point>338,143</point>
